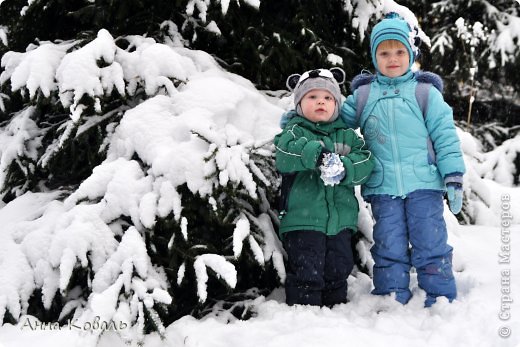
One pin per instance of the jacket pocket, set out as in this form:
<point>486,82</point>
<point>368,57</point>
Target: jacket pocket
<point>377,176</point>
<point>423,170</point>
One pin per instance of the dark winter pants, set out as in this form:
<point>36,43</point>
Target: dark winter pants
<point>415,220</point>
<point>317,268</point>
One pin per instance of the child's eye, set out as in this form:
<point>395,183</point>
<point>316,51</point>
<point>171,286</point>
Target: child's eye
<point>401,52</point>
<point>383,54</point>
<point>328,98</point>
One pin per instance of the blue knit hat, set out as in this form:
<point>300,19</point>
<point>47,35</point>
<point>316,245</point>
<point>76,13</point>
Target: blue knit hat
<point>394,27</point>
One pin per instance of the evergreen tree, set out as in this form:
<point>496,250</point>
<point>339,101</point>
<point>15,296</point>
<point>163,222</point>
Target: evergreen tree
<point>267,44</point>
<point>145,257</point>
<point>474,50</point>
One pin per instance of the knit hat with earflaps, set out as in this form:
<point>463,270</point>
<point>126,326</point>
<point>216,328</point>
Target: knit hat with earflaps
<point>394,27</point>
<point>328,80</point>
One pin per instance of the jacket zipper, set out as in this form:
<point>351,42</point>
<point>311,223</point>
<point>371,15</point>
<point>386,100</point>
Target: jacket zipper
<point>329,196</point>
<point>333,217</point>
<point>395,149</point>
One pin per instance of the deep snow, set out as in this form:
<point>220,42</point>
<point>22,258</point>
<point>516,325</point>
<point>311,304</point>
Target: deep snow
<point>367,320</point>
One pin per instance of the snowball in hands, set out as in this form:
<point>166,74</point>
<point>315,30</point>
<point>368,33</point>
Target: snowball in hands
<point>332,170</point>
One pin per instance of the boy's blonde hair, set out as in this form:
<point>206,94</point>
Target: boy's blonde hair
<point>391,44</point>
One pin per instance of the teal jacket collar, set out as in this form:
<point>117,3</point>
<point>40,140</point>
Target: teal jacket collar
<point>394,80</point>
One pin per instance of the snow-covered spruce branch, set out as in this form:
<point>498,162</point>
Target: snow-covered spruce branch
<point>104,250</point>
<point>489,175</point>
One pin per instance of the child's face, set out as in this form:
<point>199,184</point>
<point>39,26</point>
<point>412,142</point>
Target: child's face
<point>392,58</point>
<point>318,105</point>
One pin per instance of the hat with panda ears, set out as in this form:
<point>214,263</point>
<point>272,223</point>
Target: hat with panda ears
<point>326,79</point>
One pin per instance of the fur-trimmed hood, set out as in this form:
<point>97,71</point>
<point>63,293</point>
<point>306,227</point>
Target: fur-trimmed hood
<point>420,76</point>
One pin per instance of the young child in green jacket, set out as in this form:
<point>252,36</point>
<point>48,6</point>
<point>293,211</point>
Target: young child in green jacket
<point>321,160</point>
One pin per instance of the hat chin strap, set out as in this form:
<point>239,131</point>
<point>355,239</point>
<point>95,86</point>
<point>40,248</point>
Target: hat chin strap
<point>299,110</point>
<point>335,115</point>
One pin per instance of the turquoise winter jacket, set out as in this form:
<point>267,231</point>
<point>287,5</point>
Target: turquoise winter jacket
<point>397,134</point>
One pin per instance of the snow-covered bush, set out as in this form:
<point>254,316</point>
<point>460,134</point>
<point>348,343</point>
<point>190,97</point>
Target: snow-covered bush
<point>492,157</point>
<point>171,211</point>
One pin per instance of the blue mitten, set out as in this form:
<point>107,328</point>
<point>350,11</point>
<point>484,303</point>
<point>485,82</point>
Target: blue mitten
<point>454,196</point>
<point>332,170</point>
<point>286,117</point>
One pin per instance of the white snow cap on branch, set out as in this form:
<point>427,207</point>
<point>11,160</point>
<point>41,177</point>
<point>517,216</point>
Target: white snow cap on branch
<point>391,6</point>
<point>21,137</point>
<point>242,230</point>
<point>35,69</point>
<point>222,268</point>
<point>19,271</point>
<point>79,72</point>
<point>98,68</point>
<point>363,10</point>
<point>3,34</point>
<point>156,65</point>
<point>202,6</point>
<point>505,38</point>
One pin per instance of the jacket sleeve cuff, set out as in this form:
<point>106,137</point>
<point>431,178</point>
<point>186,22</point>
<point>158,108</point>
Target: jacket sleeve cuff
<point>310,154</point>
<point>349,171</point>
<point>453,178</point>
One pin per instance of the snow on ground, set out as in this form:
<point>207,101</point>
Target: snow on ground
<point>472,320</point>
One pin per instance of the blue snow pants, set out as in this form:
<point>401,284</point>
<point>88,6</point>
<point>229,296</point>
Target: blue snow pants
<point>416,220</point>
<point>317,267</point>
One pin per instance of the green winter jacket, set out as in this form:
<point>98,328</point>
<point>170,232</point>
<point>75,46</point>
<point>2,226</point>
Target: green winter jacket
<point>306,203</point>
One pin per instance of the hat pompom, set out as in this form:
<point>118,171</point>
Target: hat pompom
<point>292,81</point>
<point>339,74</point>
<point>415,39</point>
<point>390,15</point>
